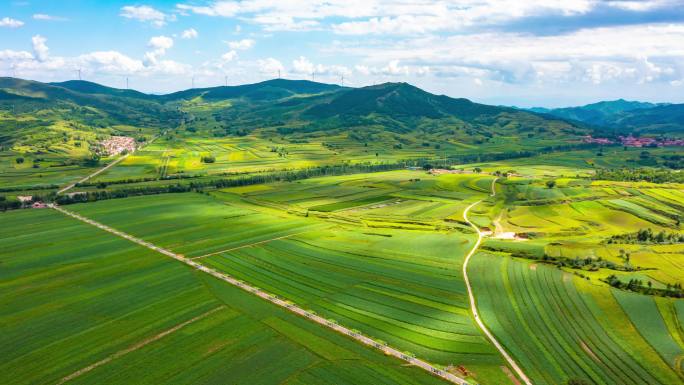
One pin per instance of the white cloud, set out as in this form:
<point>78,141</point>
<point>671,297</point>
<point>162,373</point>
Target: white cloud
<point>144,13</point>
<point>362,69</point>
<point>229,56</point>
<point>40,48</point>
<point>45,17</point>
<point>303,66</point>
<point>160,42</point>
<point>640,5</point>
<point>241,44</point>
<point>270,66</point>
<point>386,16</point>
<point>393,68</point>
<point>110,62</point>
<point>634,54</point>
<point>9,55</point>
<point>189,34</point>
<point>159,45</point>
<point>42,65</point>
<point>10,23</point>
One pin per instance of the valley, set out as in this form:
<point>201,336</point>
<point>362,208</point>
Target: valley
<point>313,233</point>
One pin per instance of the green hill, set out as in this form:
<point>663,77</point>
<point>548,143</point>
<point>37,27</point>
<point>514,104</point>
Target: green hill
<point>85,87</point>
<point>269,90</point>
<point>623,116</point>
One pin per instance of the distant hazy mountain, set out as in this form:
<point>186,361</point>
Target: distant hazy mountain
<point>623,116</point>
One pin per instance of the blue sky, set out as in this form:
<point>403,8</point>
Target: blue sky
<point>514,52</point>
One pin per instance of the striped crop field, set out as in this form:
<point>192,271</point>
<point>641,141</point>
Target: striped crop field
<point>82,306</point>
<point>193,224</point>
<point>403,287</point>
<point>385,283</point>
<point>559,329</point>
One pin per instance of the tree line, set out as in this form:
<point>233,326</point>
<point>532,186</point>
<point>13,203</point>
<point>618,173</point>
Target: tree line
<point>640,174</point>
<point>637,286</point>
<point>647,236</point>
<point>286,176</point>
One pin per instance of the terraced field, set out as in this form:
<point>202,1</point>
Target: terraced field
<point>84,306</point>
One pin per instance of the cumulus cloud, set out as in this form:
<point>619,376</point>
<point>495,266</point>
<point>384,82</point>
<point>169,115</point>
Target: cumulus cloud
<point>270,66</point>
<point>12,56</point>
<point>229,56</point>
<point>393,68</point>
<point>8,22</point>
<point>241,44</point>
<point>112,62</point>
<point>145,13</point>
<point>40,48</point>
<point>42,64</point>
<point>189,34</point>
<point>303,66</point>
<point>633,54</point>
<point>159,45</point>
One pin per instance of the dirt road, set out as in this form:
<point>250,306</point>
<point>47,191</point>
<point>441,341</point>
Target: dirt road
<point>473,305</point>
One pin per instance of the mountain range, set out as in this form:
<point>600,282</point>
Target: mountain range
<point>395,112</point>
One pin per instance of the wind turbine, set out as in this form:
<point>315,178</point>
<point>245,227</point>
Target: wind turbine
<point>79,73</point>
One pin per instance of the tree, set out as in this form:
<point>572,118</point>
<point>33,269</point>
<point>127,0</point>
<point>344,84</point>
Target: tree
<point>93,160</point>
<point>208,159</point>
<point>551,183</point>
<point>477,170</point>
<point>20,160</point>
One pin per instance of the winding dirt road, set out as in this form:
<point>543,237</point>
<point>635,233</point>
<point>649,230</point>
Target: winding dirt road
<point>473,305</point>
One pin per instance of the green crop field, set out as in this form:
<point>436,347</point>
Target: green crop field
<point>361,205</point>
<point>79,298</point>
<point>565,334</point>
<point>390,281</point>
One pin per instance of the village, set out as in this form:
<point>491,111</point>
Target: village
<point>631,141</point>
<point>117,145</point>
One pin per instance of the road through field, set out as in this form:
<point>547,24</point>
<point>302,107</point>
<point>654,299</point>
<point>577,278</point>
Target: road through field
<point>473,305</point>
<point>275,300</point>
<point>103,169</point>
<point>96,173</point>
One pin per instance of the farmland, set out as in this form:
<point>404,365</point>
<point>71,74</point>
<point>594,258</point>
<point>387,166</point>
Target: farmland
<point>373,283</point>
<point>572,329</point>
<point>346,203</point>
<point>89,295</point>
